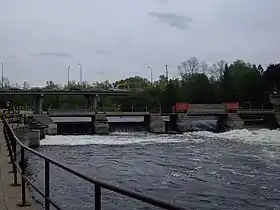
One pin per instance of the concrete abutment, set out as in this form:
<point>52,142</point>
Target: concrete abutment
<point>38,103</point>
<point>100,123</point>
<point>91,102</point>
<point>155,123</point>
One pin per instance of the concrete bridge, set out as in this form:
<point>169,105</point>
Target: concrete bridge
<point>38,95</point>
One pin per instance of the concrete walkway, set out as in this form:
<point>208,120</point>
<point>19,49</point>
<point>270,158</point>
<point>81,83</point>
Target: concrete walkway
<point>9,196</point>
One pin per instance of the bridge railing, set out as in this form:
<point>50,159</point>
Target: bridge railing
<point>19,166</point>
<point>113,108</point>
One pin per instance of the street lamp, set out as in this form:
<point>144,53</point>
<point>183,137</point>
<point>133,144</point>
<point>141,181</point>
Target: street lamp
<point>151,74</point>
<point>2,68</point>
<point>81,74</point>
<point>68,72</point>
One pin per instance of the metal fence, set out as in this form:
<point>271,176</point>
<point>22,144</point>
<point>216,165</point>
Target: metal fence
<point>18,166</point>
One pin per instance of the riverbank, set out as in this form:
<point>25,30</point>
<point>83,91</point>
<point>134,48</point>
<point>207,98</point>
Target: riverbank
<point>10,196</point>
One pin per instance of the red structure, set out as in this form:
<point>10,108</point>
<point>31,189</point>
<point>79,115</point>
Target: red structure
<point>231,106</point>
<point>181,107</point>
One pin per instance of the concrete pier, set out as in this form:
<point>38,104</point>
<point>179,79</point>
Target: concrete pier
<point>34,138</point>
<point>234,121</point>
<point>156,123</point>
<point>100,123</point>
<point>45,120</point>
<point>38,103</point>
<point>183,123</point>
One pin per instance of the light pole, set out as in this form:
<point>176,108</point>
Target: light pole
<point>2,68</point>
<point>81,74</point>
<point>166,72</point>
<point>68,75</point>
<point>151,74</point>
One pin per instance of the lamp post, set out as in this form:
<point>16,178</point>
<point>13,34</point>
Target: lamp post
<point>68,75</point>
<point>166,72</point>
<point>81,74</point>
<point>2,69</point>
<point>151,69</point>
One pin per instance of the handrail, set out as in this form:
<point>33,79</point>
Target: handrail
<point>12,140</point>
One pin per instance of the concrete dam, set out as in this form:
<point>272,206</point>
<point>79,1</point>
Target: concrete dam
<point>197,117</point>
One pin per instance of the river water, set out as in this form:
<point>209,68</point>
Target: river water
<point>239,169</point>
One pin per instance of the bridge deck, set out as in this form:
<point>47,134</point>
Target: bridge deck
<point>65,92</point>
<point>255,111</point>
<point>132,114</point>
<point>9,195</point>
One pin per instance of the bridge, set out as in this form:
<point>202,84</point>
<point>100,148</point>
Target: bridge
<point>145,113</point>
<point>65,92</point>
<point>38,95</point>
<point>17,152</point>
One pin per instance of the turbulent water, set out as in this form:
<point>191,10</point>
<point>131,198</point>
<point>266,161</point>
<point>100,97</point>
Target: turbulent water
<point>200,170</point>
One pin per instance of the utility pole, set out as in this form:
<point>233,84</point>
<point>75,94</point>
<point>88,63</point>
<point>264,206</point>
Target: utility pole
<point>68,76</point>
<point>166,72</point>
<point>151,74</point>
<point>81,74</point>
<point>2,68</point>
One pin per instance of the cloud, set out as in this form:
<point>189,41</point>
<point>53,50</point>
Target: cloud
<point>101,51</point>
<point>162,1</point>
<point>173,20</point>
<point>54,54</point>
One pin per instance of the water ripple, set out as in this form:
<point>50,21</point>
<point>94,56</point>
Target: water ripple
<point>195,170</point>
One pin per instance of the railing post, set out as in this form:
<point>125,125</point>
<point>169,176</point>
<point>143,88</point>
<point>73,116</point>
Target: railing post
<point>6,136</point>
<point>14,151</point>
<point>47,184</point>
<point>23,183</point>
<point>97,197</point>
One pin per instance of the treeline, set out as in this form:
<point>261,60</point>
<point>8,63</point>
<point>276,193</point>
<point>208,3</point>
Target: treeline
<point>197,82</point>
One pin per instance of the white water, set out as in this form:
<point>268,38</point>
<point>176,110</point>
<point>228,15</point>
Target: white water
<point>261,136</point>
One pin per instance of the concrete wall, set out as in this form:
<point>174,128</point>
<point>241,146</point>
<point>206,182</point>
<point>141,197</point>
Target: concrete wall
<point>183,123</point>
<point>100,123</point>
<point>45,120</point>
<point>156,123</point>
<point>21,131</point>
<point>233,121</point>
<point>206,108</point>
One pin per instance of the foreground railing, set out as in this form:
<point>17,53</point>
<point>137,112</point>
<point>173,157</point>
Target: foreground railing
<point>13,142</point>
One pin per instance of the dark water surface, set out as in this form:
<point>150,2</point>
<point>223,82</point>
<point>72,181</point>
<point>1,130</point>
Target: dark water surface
<point>194,171</point>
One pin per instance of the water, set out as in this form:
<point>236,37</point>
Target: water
<point>200,170</point>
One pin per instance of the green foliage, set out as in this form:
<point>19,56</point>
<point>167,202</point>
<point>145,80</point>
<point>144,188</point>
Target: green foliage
<point>198,83</point>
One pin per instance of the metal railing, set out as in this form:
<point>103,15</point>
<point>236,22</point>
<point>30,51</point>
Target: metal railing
<point>13,143</point>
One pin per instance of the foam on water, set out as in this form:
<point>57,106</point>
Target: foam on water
<point>244,135</point>
<point>247,136</point>
<point>118,138</point>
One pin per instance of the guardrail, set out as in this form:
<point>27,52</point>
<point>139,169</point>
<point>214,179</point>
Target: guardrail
<point>13,142</point>
<point>256,110</point>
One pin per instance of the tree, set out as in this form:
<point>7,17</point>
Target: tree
<point>51,85</point>
<point>272,77</point>
<point>25,85</point>
<point>102,85</point>
<point>189,67</point>
<point>6,83</point>
<point>226,85</point>
<point>260,69</point>
<point>218,69</point>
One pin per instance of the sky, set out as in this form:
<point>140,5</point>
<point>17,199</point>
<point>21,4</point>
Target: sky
<point>113,39</point>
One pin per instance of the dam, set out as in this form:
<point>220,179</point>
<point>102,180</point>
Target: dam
<point>195,117</point>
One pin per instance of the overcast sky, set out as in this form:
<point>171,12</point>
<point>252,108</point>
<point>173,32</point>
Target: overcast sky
<point>120,38</point>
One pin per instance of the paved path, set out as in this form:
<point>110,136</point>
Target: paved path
<point>9,196</point>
